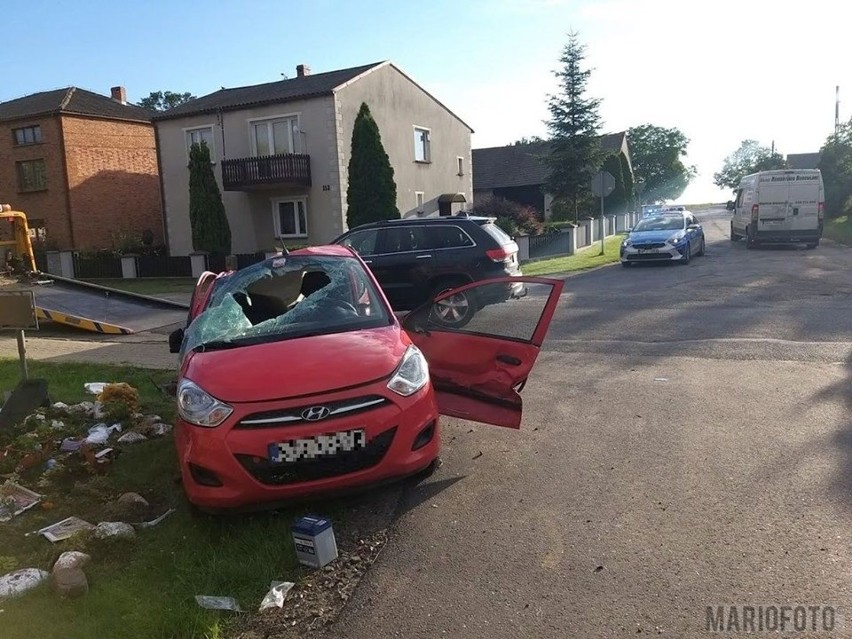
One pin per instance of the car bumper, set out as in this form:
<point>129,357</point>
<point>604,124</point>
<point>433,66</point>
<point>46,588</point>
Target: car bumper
<point>665,253</point>
<point>788,237</point>
<point>402,438</point>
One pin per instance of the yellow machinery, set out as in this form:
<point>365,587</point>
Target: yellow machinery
<point>20,247</point>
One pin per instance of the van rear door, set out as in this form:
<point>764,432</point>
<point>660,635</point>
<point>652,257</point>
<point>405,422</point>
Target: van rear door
<point>773,200</point>
<point>805,196</point>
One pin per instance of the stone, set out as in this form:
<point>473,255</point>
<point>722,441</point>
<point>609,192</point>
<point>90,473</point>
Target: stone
<point>114,530</point>
<point>20,581</point>
<point>69,580</point>
<point>132,499</point>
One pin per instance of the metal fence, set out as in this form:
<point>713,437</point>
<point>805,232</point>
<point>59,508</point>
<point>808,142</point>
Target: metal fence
<point>105,266</point>
<point>163,266</point>
<point>548,245</point>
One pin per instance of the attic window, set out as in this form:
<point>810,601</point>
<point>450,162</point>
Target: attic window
<point>28,135</point>
<point>422,145</point>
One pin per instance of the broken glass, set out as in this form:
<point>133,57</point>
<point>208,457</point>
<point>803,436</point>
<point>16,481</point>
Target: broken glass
<point>288,297</point>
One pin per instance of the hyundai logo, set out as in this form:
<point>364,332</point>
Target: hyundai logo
<point>316,413</point>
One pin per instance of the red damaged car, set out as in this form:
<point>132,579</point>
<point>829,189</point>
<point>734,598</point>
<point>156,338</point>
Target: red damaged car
<point>297,379</point>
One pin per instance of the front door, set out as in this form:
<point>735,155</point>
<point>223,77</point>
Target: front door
<point>402,265</point>
<point>479,369</point>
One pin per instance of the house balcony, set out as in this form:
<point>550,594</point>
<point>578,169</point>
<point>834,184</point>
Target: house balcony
<point>245,174</point>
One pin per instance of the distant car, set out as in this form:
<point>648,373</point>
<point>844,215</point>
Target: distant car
<point>669,236</point>
<point>414,259</point>
<point>297,380</point>
<point>651,209</point>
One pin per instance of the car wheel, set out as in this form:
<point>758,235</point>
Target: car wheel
<point>454,311</point>
<point>703,247</point>
<point>625,264</point>
<point>687,256</point>
<point>734,235</point>
<point>750,241</point>
<point>812,245</point>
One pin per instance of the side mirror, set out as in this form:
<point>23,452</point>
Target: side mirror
<point>730,205</point>
<point>693,227</point>
<point>175,340</point>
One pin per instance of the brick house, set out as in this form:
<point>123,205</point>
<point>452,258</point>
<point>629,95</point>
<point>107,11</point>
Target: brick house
<point>82,166</point>
<point>281,152</point>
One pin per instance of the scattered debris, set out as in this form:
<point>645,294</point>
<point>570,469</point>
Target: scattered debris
<point>154,430</point>
<point>218,603</point>
<point>313,538</point>
<point>95,388</point>
<point>15,499</point>
<point>69,580</point>
<point>661,379</point>
<point>57,424</point>
<point>65,529</point>
<point>100,433</point>
<point>154,522</point>
<point>20,581</point>
<point>478,455</point>
<point>598,569</point>
<point>131,437</point>
<point>60,406</point>
<point>277,593</point>
<point>114,530</point>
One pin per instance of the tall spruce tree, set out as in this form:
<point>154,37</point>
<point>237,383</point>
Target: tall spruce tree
<point>371,194</point>
<point>575,153</point>
<point>210,229</point>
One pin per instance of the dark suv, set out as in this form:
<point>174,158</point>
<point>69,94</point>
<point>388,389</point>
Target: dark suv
<point>414,259</point>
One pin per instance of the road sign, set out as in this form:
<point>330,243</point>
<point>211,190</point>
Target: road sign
<point>603,184</point>
<point>17,310</point>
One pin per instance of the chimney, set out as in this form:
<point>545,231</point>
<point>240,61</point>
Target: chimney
<point>302,70</point>
<point>119,94</point>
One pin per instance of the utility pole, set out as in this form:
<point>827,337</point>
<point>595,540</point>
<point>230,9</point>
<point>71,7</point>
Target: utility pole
<point>836,109</point>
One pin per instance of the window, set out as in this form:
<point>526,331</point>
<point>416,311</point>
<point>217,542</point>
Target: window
<point>445,236</point>
<point>418,201</point>
<point>422,150</point>
<point>28,135</point>
<point>275,137</point>
<point>290,218</point>
<point>32,175</point>
<point>460,160</point>
<point>399,239</point>
<point>199,135</point>
<point>363,242</point>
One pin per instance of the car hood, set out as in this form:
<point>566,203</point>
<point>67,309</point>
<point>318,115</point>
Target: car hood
<point>651,236</point>
<point>295,367</point>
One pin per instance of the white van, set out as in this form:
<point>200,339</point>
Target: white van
<point>784,206</point>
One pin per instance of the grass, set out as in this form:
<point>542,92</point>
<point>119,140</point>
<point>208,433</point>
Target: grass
<point>150,285</point>
<point>144,588</point>
<point>839,229</point>
<point>585,258</point>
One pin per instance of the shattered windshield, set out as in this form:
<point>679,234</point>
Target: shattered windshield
<point>287,297</point>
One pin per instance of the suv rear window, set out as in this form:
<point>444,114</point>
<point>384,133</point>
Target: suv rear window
<point>447,236</point>
<point>497,233</point>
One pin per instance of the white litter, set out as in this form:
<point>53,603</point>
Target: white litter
<point>131,438</point>
<point>218,603</point>
<point>661,379</point>
<point>100,433</point>
<point>95,388</point>
<point>277,594</point>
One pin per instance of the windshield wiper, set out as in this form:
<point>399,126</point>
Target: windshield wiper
<point>216,345</point>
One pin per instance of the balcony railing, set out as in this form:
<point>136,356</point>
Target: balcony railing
<point>288,169</point>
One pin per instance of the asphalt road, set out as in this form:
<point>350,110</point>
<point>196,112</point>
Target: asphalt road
<point>687,442</point>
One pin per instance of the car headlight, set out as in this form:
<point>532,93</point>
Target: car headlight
<point>679,237</point>
<point>627,242</point>
<point>198,407</point>
<point>411,375</point>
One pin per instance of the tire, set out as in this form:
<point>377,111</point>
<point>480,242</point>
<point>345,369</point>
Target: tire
<point>703,248</point>
<point>734,236</point>
<point>455,311</point>
<point>625,264</point>
<point>812,245</point>
<point>750,241</point>
<point>688,255</point>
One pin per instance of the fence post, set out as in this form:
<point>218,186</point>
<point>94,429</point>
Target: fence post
<point>571,230</point>
<point>66,264</point>
<point>198,263</point>
<point>523,242</point>
<point>129,268</point>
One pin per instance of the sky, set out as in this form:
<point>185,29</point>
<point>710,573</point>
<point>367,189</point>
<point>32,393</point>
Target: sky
<point>721,71</point>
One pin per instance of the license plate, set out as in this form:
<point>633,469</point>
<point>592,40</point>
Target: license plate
<point>647,250</point>
<point>318,446</point>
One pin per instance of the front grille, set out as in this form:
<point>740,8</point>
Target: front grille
<point>648,257</point>
<point>279,474</point>
<point>293,416</point>
<point>654,245</point>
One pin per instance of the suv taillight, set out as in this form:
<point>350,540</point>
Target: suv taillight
<point>754,210</point>
<point>821,210</point>
<point>497,255</point>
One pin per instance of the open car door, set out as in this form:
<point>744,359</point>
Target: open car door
<point>481,341</point>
